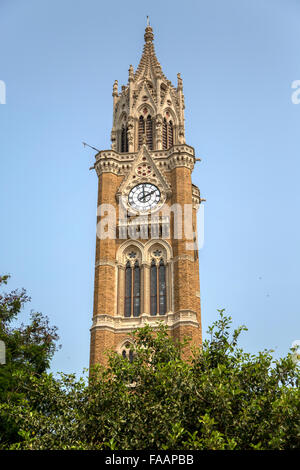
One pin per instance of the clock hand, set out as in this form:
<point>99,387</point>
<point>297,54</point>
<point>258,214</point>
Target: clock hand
<point>151,192</point>
<point>142,197</point>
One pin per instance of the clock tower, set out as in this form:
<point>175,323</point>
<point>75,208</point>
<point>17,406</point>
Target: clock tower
<point>146,266</point>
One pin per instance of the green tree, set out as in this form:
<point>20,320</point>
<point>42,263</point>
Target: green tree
<point>222,398</point>
<point>29,350</point>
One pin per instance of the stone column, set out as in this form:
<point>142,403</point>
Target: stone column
<point>121,290</point>
<point>146,289</point>
<point>169,281</point>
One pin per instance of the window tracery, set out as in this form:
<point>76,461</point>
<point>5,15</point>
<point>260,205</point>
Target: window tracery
<point>145,130</point>
<point>158,287</point>
<point>144,279</point>
<point>168,132</point>
<point>126,351</point>
<point>132,304</point>
<point>124,139</point>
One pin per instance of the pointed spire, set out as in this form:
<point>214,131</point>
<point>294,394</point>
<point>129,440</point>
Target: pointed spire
<point>149,65</point>
<point>148,91</point>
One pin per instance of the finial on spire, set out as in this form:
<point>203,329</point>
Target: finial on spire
<point>149,36</point>
<point>115,88</point>
<point>179,82</point>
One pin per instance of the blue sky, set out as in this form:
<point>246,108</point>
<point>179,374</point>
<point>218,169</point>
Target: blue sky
<point>238,60</point>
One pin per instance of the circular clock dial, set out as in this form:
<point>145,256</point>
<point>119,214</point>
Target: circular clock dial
<point>144,197</point>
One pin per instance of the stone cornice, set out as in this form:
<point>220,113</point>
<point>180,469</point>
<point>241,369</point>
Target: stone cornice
<point>114,264</point>
<point>118,324</point>
<point>183,258</point>
<point>105,262</point>
<point>110,161</point>
<point>196,198</point>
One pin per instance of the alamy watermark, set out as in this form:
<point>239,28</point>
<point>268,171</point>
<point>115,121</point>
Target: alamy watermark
<point>296,351</point>
<point>176,220</point>
<point>2,92</point>
<point>295,97</point>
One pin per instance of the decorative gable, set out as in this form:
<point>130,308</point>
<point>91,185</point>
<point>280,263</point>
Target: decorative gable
<point>144,170</point>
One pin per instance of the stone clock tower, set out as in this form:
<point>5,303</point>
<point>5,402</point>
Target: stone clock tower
<point>146,266</point>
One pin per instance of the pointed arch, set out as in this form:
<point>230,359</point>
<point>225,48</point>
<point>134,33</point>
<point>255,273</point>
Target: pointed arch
<point>149,132</point>
<point>159,255</point>
<point>136,290</point>
<point>162,301</point>
<point>125,349</point>
<point>153,288</point>
<point>165,134</point>
<point>128,246</point>
<point>132,304</point>
<point>129,259</point>
<point>152,245</point>
<point>141,131</point>
<point>170,134</point>
<point>158,288</point>
<point>146,125</point>
<point>145,278</point>
<point>124,139</point>
<point>128,290</point>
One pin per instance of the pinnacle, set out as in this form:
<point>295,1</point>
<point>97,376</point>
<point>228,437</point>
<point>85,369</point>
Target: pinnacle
<point>149,62</point>
<point>149,36</point>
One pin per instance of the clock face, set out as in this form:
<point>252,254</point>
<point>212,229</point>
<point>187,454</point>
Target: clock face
<point>144,197</point>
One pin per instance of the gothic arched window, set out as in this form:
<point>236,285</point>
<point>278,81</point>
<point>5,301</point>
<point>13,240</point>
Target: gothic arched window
<point>170,134</point>
<point>165,134</point>
<point>132,305</point>
<point>136,290</point>
<point>124,139</point>
<point>127,353</point>
<point>153,288</point>
<point>149,132</point>
<point>128,289</point>
<point>162,288</point>
<point>158,291</point>
<point>145,128</point>
<point>130,355</point>
<point>141,130</point>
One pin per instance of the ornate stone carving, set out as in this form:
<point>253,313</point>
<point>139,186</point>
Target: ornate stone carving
<point>143,170</point>
<point>148,85</point>
<point>121,163</point>
<point>196,196</point>
<point>146,236</point>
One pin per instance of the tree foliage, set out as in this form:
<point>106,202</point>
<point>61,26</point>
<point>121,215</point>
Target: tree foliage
<point>29,350</point>
<point>222,398</point>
